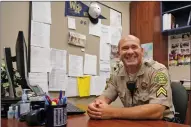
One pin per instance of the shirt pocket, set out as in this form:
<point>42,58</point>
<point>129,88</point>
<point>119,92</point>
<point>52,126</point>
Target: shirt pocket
<point>143,97</point>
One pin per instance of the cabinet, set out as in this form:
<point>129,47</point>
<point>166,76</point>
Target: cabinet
<point>176,17</point>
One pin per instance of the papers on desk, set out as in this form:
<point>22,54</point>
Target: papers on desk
<point>40,59</point>
<point>58,80</point>
<point>95,29</point>
<point>84,85</point>
<point>41,12</point>
<point>58,59</point>
<point>75,65</point>
<point>40,34</point>
<point>40,79</point>
<point>90,65</point>
<point>72,88</point>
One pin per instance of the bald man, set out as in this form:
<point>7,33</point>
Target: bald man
<point>142,86</point>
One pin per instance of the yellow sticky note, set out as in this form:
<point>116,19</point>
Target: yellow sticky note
<point>84,86</point>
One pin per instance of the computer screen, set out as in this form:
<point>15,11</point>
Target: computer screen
<point>9,70</point>
<point>21,60</point>
<point>21,63</point>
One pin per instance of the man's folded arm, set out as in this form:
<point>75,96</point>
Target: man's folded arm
<point>147,111</point>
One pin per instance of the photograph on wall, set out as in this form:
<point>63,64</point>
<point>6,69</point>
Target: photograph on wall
<point>148,51</point>
<point>77,39</point>
<point>114,52</point>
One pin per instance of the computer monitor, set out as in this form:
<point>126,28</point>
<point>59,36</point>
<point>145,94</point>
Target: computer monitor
<point>9,70</point>
<point>21,63</point>
<point>21,60</point>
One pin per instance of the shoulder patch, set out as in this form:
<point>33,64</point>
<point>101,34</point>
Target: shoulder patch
<point>161,78</point>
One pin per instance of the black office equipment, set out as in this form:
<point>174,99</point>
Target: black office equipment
<point>21,62</point>
<point>73,110</point>
<point>9,70</point>
<point>180,100</point>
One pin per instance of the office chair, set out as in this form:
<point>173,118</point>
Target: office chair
<point>180,100</point>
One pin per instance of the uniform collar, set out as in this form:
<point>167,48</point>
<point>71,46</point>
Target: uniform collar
<point>122,71</point>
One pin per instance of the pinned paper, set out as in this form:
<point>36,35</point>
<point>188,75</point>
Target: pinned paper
<point>84,86</point>
<point>71,23</point>
<point>90,64</point>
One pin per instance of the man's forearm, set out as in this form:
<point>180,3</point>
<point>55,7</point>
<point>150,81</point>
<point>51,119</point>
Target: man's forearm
<point>105,99</point>
<point>148,111</point>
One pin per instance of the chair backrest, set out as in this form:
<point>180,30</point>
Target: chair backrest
<point>180,100</point>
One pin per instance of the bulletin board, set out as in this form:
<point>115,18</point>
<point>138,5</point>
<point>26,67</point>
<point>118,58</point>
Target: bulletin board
<point>179,54</point>
<point>59,31</point>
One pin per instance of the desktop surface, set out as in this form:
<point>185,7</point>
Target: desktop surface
<point>84,121</point>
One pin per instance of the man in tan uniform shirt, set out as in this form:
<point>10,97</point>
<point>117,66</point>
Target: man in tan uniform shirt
<point>150,99</point>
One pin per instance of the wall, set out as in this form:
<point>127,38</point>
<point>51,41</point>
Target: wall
<point>14,17</point>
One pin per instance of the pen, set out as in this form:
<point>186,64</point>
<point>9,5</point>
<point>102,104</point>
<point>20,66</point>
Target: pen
<point>60,98</point>
<point>64,100</point>
<point>48,99</point>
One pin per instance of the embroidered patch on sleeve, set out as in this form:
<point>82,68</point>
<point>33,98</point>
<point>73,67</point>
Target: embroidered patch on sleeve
<point>161,78</point>
<point>162,91</point>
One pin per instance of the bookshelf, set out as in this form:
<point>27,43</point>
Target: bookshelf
<point>176,17</point>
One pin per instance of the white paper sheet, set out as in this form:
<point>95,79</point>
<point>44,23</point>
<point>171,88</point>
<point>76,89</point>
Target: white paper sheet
<point>105,34</point>
<point>105,74</point>
<point>105,50</point>
<point>116,33</point>
<point>75,65</point>
<point>72,88</point>
<point>58,80</point>
<point>40,79</point>
<point>41,12</point>
<point>58,59</point>
<point>115,18</point>
<point>95,29</point>
<point>104,65</point>
<point>40,34</point>
<point>40,59</point>
<point>71,23</point>
<point>98,84</point>
<point>90,64</point>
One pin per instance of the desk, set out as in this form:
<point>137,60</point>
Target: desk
<point>84,121</point>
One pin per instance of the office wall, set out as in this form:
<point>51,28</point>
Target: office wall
<point>15,17</point>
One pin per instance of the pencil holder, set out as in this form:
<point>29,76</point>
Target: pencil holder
<point>56,116</point>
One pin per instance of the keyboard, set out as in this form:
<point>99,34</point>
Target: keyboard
<point>73,110</point>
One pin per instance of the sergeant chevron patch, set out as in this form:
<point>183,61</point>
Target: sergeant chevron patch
<point>162,91</point>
